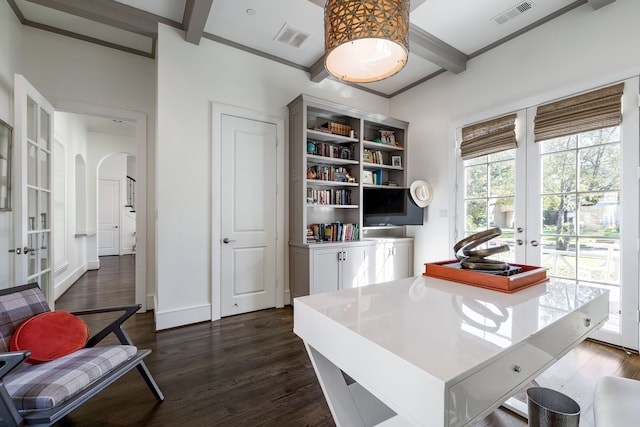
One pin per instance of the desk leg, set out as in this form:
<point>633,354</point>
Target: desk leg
<point>350,405</point>
<point>334,387</point>
<point>517,406</point>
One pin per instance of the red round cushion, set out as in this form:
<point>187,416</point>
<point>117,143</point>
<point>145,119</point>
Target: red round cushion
<point>50,335</point>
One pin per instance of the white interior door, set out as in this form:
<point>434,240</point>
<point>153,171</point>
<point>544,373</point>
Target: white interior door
<point>33,178</point>
<point>108,217</point>
<point>248,215</point>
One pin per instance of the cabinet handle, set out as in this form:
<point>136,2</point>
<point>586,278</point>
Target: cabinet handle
<point>344,256</point>
<point>340,256</point>
<point>516,368</point>
<point>587,322</point>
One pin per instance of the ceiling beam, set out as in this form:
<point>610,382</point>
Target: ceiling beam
<point>412,5</point>
<point>196,13</point>
<point>318,72</point>
<point>597,4</point>
<point>435,50</point>
<point>108,12</point>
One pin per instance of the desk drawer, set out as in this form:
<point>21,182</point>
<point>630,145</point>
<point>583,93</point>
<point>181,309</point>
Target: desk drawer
<point>493,384</point>
<point>473,395</point>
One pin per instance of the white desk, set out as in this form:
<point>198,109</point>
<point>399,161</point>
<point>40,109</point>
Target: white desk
<point>429,352</point>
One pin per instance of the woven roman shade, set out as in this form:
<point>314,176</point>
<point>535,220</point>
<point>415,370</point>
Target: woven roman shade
<point>594,110</point>
<point>489,137</point>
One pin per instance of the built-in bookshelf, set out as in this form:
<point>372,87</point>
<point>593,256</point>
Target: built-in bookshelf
<point>335,151</point>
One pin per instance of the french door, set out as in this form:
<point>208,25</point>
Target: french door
<point>32,209</point>
<point>569,204</point>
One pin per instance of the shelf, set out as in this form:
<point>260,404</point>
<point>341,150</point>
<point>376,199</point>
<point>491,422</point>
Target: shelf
<point>368,165</point>
<point>381,186</point>
<point>312,158</point>
<point>317,135</point>
<point>310,205</point>
<point>323,183</point>
<point>382,147</point>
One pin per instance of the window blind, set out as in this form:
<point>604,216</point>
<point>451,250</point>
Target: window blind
<point>594,110</point>
<point>489,137</point>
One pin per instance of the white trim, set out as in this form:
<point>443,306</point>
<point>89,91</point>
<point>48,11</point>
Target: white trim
<point>140,119</point>
<point>64,285</point>
<point>216,123</point>
<point>183,316</point>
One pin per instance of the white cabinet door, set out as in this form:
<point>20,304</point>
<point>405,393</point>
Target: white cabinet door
<point>401,258</point>
<point>337,268</point>
<point>393,259</point>
<point>326,270</point>
<point>356,266</point>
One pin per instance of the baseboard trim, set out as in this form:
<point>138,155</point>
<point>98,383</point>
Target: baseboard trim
<point>182,317</point>
<point>93,265</point>
<point>68,281</point>
<point>151,302</point>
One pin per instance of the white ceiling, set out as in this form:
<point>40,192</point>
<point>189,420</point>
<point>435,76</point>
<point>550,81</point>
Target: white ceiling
<point>445,33</point>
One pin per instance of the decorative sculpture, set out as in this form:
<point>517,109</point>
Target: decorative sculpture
<point>476,259</point>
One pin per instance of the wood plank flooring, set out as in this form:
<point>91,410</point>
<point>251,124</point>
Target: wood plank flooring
<point>251,370</point>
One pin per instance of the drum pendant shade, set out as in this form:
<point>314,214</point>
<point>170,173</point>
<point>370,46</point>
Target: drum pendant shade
<point>366,40</point>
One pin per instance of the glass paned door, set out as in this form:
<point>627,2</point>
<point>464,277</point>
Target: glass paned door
<point>576,209</point>
<point>34,130</point>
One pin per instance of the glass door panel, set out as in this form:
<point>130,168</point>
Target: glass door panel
<point>34,130</point>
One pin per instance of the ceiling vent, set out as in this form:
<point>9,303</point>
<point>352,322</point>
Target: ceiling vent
<point>291,36</point>
<point>511,13</point>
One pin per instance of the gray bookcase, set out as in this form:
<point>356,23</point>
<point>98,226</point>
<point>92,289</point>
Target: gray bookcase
<point>334,152</point>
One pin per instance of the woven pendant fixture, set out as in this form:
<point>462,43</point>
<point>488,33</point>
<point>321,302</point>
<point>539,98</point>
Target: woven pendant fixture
<point>366,40</point>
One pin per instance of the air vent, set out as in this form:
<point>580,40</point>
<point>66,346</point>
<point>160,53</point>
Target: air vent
<point>513,12</point>
<point>291,36</point>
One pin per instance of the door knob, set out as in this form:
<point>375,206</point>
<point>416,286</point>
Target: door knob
<point>115,226</point>
<point>17,251</point>
<point>534,243</point>
<point>26,250</point>
<point>227,240</point>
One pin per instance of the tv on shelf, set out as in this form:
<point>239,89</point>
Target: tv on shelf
<point>390,206</point>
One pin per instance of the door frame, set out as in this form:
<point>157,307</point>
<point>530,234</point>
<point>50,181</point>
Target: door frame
<point>218,110</point>
<point>141,294</point>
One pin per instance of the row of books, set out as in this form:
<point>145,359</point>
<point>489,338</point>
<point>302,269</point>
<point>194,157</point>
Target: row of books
<point>328,197</point>
<point>334,232</point>
<point>325,149</point>
<point>328,173</point>
<point>372,156</point>
<point>372,177</point>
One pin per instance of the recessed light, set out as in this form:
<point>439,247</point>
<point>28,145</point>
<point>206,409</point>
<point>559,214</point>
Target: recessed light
<point>251,12</point>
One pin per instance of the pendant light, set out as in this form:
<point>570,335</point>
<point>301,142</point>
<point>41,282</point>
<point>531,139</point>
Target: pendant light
<point>366,40</point>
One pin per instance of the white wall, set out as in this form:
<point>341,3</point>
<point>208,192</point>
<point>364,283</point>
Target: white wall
<point>10,47</point>
<point>577,51</point>
<point>190,79</point>
<point>73,136</point>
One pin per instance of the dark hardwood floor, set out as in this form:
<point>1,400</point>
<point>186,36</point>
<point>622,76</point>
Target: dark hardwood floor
<point>251,370</point>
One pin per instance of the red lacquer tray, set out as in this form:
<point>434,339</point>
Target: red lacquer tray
<point>530,276</point>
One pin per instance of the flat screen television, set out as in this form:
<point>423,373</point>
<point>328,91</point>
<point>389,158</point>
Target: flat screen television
<point>390,206</point>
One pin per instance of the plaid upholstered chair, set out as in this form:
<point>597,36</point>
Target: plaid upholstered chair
<point>42,393</point>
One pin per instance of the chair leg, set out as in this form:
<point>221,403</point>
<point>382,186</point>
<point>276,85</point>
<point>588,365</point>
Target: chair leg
<point>144,371</point>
